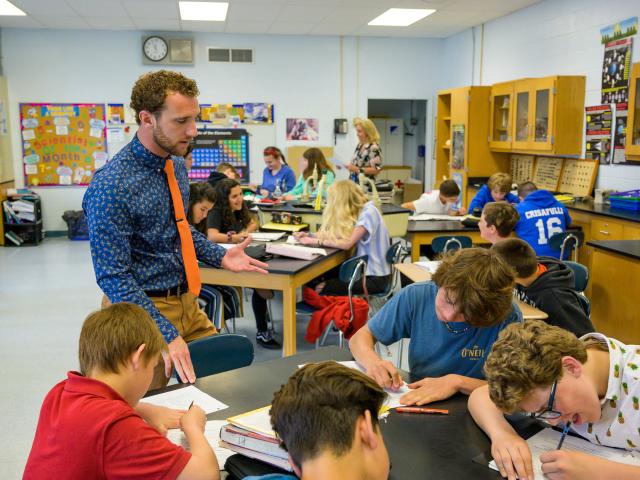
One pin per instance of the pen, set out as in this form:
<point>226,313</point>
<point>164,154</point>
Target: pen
<point>421,410</point>
<point>190,405</point>
<point>565,430</point>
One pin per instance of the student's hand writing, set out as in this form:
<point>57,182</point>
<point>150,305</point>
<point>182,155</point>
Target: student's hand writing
<point>512,456</point>
<point>567,464</point>
<point>462,211</point>
<point>237,261</point>
<point>179,355</point>
<point>299,235</point>
<point>385,374</point>
<point>312,241</point>
<point>160,418</point>
<point>194,420</point>
<point>430,390</point>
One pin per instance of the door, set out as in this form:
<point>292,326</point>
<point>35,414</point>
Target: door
<point>542,101</point>
<point>521,115</point>
<point>500,133</point>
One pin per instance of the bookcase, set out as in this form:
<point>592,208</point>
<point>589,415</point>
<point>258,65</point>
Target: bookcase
<point>22,220</point>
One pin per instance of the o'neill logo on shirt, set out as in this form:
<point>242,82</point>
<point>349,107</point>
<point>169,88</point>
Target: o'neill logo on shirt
<point>543,212</point>
<point>474,353</point>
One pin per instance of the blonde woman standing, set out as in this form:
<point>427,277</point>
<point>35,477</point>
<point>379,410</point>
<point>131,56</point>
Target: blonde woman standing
<point>351,219</point>
<point>367,158</point>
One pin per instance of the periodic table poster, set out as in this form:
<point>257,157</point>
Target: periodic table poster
<point>221,145</point>
<point>62,143</point>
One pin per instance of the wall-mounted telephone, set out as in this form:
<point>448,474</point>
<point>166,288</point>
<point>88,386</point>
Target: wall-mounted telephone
<point>340,125</point>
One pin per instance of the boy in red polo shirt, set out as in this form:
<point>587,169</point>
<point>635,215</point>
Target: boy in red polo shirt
<point>91,424</point>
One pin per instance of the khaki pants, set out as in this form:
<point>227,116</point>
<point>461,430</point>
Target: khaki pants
<point>186,316</point>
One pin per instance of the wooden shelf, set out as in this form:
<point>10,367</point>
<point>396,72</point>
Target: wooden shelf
<point>446,119</point>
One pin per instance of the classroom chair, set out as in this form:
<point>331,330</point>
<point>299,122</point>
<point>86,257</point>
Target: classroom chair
<point>220,353</point>
<point>222,305</point>
<point>567,241</point>
<point>581,280</point>
<point>445,243</point>
<point>394,253</point>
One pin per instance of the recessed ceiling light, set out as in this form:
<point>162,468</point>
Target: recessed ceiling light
<point>401,17</point>
<point>204,11</point>
<point>8,8</point>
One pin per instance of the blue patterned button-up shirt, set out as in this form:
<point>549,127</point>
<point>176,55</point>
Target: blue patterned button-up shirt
<point>135,244</point>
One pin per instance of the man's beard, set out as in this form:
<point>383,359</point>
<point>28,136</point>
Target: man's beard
<point>163,142</point>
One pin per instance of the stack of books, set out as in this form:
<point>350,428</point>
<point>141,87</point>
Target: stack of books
<point>19,211</point>
<point>250,434</point>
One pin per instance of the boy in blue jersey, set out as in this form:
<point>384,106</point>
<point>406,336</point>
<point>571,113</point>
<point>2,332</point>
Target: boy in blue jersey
<point>451,323</point>
<point>497,189</point>
<point>541,217</point>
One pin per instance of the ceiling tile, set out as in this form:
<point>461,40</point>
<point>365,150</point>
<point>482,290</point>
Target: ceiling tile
<point>157,25</point>
<point>98,8</point>
<point>196,26</point>
<point>150,9</point>
<point>62,21</point>
<point>40,7</point>
<point>110,23</point>
<point>247,27</point>
<point>242,12</point>
<point>20,22</point>
<point>299,13</point>
<point>333,28</point>
<point>290,28</point>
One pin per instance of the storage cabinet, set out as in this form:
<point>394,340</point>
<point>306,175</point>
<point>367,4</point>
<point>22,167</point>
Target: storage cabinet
<point>462,129</point>
<point>391,132</point>
<point>16,229</point>
<point>546,115</point>
<point>632,146</point>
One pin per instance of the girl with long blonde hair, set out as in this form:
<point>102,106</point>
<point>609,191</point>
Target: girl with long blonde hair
<point>351,219</point>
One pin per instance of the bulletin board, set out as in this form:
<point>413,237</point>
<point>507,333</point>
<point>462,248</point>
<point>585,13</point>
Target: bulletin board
<point>62,143</point>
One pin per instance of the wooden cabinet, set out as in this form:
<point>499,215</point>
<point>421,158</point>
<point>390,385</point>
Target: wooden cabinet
<point>500,131</point>
<point>632,146</point>
<point>606,229</point>
<point>546,115</point>
<point>462,129</point>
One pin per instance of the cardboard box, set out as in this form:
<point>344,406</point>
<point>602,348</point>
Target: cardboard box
<point>412,191</point>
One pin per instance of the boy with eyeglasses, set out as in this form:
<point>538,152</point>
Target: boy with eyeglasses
<point>451,323</point>
<point>592,382</point>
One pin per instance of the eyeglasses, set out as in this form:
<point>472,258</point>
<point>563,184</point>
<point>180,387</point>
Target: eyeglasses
<point>549,413</point>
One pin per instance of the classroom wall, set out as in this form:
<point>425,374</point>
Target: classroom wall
<point>553,37</point>
<point>301,75</point>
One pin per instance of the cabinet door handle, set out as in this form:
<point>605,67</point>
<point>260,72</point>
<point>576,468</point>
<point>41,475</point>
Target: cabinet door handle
<point>604,232</point>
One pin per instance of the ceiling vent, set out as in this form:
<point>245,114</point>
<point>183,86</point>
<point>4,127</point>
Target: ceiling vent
<point>231,55</point>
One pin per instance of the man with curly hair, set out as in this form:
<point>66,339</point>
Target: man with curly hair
<point>142,249</point>
<point>451,323</point>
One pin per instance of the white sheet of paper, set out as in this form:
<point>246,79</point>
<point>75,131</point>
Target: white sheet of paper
<point>62,130</point>
<point>181,399</point>
<point>548,439</point>
<point>96,132</point>
<point>227,245</point>
<point>115,135</point>
<point>433,216</point>
<point>430,266</point>
<point>211,433</point>
<point>28,134</point>
<point>30,169</point>
<point>267,236</point>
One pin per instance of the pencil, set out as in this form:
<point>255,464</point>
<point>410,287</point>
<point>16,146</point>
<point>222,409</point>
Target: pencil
<point>565,430</point>
<point>190,405</point>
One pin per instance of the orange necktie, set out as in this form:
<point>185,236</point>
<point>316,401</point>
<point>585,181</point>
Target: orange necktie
<point>186,241</point>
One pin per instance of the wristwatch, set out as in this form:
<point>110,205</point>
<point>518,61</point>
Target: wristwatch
<point>230,235</point>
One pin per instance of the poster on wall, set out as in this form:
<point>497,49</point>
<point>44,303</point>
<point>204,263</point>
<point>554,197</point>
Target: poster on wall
<point>623,29</point>
<point>258,113</point>
<point>457,147</point>
<point>619,134</point>
<point>62,143</point>
<point>115,113</point>
<point>616,68</point>
<point>598,123</point>
<point>303,129</point>
<point>457,177</point>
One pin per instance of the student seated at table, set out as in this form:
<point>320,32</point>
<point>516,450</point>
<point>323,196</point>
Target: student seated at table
<point>541,217</point>
<point>451,323</point>
<point>311,160</point>
<point>439,202</point>
<point>498,188</point>
<point>92,425</point>
<point>277,173</point>
<point>591,382</point>
<point>202,196</point>
<point>230,221</point>
<point>326,417</point>
<point>547,284</point>
<point>349,219</point>
<point>497,221</point>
